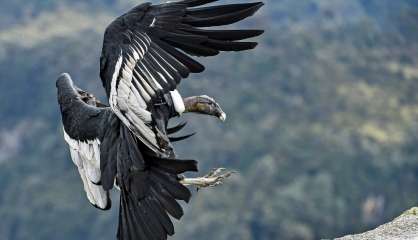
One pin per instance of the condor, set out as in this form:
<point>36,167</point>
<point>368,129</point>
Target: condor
<point>127,144</point>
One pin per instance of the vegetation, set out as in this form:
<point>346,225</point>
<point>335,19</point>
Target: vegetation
<point>322,121</point>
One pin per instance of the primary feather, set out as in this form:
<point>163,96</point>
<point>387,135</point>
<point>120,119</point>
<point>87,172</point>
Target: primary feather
<point>148,51</point>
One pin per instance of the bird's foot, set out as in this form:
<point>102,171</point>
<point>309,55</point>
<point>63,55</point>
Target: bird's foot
<point>204,105</point>
<point>214,178</point>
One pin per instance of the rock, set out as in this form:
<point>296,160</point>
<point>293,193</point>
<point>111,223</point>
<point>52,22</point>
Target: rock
<point>402,227</point>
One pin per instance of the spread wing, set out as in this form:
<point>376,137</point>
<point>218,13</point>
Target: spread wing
<point>82,127</point>
<point>147,52</point>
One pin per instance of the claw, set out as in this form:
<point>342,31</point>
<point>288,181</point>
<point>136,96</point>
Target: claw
<point>213,171</point>
<point>214,178</point>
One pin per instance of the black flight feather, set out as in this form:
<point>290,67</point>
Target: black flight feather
<point>158,43</point>
<point>229,35</point>
<point>178,139</point>
<point>215,19</point>
<point>177,128</point>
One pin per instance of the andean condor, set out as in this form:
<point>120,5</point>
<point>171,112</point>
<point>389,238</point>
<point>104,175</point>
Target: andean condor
<point>146,53</point>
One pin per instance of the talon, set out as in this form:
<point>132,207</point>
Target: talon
<point>210,173</point>
<point>215,172</point>
<point>219,171</point>
<point>214,178</point>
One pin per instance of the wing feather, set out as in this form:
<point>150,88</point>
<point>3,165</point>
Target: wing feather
<point>83,125</point>
<point>146,55</point>
<point>86,157</point>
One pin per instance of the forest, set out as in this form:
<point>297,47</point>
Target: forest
<point>322,121</point>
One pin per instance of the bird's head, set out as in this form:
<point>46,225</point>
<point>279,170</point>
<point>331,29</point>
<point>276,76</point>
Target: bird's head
<point>68,90</point>
<point>65,88</point>
<point>64,81</point>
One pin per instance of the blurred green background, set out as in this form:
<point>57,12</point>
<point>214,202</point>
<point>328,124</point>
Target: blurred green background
<point>322,122</point>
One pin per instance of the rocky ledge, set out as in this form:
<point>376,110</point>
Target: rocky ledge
<point>402,227</point>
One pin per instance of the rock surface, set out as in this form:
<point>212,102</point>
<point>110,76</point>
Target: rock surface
<point>402,227</point>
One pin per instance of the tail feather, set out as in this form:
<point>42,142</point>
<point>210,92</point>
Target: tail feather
<point>127,227</point>
<point>148,218</point>
<point>172,185</point>
<point>150,191</point>
<point>175,166</point>
<point>169,204</point>
<point>161,215</point>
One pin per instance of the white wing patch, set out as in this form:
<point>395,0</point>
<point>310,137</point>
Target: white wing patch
<point>141,74</point>
<point>129,97</point>
<point>178,102</point>
<point>128,102</point>
<point>86,156</point>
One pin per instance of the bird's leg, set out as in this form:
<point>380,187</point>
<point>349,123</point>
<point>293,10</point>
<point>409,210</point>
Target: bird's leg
<point>204,105</point>
<point>214,178</point>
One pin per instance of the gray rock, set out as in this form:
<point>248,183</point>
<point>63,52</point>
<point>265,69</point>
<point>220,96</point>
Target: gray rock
<point>402,227</point>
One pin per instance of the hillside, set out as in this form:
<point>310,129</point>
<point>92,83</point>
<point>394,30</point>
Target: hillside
<point>322,121</point>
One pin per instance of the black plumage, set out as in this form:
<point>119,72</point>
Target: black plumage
<point>146,53</point>
<point>148,184</point>
<point>152,44</point>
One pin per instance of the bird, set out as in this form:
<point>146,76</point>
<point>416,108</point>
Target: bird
<point>127,143</point>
